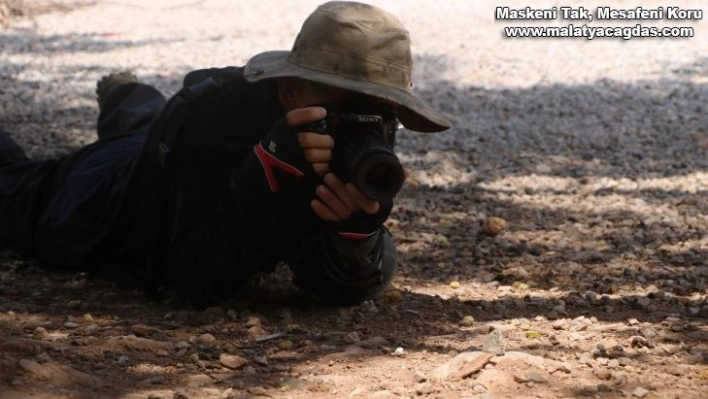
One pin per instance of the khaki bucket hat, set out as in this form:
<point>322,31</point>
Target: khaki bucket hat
<point>357,47</point>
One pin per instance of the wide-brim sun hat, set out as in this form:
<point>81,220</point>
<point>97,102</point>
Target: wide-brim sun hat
<point>357,47</point>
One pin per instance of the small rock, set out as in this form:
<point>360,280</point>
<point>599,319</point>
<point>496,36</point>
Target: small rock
<point>419,377</point>
<point>253,322</point>
<point>352,337</point>
<point>590,296</point>
<point>180,394</point>
<point>71,324</point>
<point>585,358</point>
<point>640,392</point>
<point>613,364</point>
<point>494,379</point>
<point>602,374</point>
<point>559,366</point>
<point>424,389</point>
<point>393,296</point>
<point>530,377</point>
<point>255,332</point>
<point>232,361</point>
<point>619,378</point>
<point>467,321</point>
<point>399,352</point>
<point>560,324</point>
<point>143,330</point>
<point>37,322</point>
<point>206,339</point>
<point>40,332</point>
<point>633,322</point>
<point>493,225</point>
<point>640,342</point>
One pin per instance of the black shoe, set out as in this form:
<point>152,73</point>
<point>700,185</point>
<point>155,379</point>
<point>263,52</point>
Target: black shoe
<point>111,81</point>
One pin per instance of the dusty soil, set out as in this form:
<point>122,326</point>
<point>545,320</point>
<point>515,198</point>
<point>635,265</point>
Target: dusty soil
<point>553,244</point>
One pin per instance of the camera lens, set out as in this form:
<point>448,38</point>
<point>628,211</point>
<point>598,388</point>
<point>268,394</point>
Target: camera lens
<point>379,176</point>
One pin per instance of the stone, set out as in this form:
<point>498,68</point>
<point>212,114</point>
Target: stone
<point>532,376</point>
<point>206,339</point>
<point>143,330</point>
<point>451,368</point>
<point>493,225</point>
<point>352,337</point>
<point>493,379</point>
<point>232,361</point>
<point>640,392</point>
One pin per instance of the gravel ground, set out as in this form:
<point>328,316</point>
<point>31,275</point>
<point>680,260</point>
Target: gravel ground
<point>553,244</point>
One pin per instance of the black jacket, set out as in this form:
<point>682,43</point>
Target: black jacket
<point>192,218</point>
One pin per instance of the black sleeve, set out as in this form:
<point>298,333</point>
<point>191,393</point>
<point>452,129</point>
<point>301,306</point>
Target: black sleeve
<point>220,231</point>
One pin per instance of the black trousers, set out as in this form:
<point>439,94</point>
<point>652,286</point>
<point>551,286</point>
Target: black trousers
<point>61,209</point>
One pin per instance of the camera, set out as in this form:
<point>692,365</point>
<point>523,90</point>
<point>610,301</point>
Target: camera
<point>364,135</point>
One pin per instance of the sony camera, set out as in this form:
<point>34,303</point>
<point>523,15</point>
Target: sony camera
<point>364,136</point>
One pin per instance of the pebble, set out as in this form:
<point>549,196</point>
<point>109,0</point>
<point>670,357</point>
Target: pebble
<point>254,321</point>
<point>533,376</point>
<point>560,324</point>
<point>585,358</point>
<point>206,339</point>
<point>640,392</point>
<point>71,324</point>
<point>232,361</point>
<point>180,394</point>
<point>493,225</point>
<point>255,332</point>
<point>352,337</point>
<point>144,331</point>
<point>419,377</point>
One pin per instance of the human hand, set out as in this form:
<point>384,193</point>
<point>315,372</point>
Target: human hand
<point>337,200</point>
<point>316,146</point>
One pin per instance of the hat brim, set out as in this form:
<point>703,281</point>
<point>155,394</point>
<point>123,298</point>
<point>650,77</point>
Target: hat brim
<point>413,113</point>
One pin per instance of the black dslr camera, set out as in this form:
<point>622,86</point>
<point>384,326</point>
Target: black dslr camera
<point>364,136</point>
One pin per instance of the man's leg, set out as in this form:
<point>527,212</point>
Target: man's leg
<point>10,151</point>
<point>126,105</point>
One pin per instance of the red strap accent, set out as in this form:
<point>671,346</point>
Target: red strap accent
<point>356,236</point>
<point>269,161</point>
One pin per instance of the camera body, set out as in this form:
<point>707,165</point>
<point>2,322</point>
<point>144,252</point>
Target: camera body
<point>364,137</point>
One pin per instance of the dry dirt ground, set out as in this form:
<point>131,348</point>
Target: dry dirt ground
<point>554,244</point>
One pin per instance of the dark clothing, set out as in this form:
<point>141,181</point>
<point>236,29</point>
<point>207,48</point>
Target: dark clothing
<point>195,222</point>
<point>113,201</point>
<point>62,209</point>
